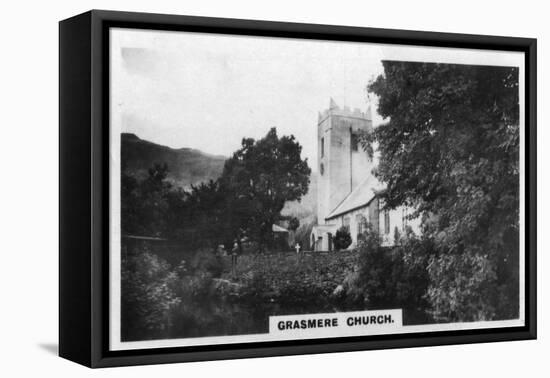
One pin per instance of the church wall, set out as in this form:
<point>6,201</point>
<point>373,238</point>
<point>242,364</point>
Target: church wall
<point>355,217</point>
<point>348,168</point>
<point>340,167</point>
<point>368,214</point>
<point>397,218</point>
<point>323,183</point>
<point>376,218</point>
<point>374,214</point>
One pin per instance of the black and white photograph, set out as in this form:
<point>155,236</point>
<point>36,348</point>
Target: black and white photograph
<point>268,189</point>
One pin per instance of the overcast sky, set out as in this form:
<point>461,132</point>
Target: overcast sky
<point>209,91</point>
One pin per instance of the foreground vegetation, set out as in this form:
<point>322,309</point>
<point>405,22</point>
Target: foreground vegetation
<point>203,296</point>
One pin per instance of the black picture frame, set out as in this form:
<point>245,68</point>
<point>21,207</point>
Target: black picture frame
<point>84,187</point>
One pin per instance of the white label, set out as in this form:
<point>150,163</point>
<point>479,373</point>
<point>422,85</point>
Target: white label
<point>336,324</point>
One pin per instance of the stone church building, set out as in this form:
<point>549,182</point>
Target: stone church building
<point>346,194</point>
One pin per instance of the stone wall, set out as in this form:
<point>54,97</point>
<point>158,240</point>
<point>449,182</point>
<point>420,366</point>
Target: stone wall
<point>324,270</point>
<point>315,272</point>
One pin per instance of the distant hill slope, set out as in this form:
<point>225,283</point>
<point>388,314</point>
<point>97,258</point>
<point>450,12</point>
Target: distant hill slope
<point>307,207</point>
<point>186,166</point>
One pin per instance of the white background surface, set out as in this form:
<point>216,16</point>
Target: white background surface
<point>29,188</point>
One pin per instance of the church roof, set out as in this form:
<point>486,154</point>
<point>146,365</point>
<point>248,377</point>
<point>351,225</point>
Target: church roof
<point>359,197</point>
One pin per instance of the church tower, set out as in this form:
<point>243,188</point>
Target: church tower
<point>343,164</point>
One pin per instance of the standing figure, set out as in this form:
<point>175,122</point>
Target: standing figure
<point>234,254</point>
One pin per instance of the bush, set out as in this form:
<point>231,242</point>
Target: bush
<point>342,239</point>
<point>293,224</point>
<point>206,261</point>
<point>471,287</point>
<point>147,295</point>
<point>392,277</point>
<point>196,278</point>
<point>195,287</point>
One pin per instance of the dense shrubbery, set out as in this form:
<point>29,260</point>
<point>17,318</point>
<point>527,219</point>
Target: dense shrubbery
<point>415,276</point>
<point>158,299</point>
<point>207,261</point>
<point>392,277</point>
<point>342,239</point>
<point>148,295</point>
<point>473,287</point>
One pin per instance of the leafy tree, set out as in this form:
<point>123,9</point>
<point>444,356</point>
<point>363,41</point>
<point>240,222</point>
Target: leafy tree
<point>144,204</point>
<point>260,177</point>
<point>342,239</point>
<point>129,204</point>
<point>204,214</point>
<point>176,216</point>
<point>450,148</point>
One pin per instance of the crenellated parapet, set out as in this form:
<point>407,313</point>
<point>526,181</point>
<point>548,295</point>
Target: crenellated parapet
<point>345,111</point>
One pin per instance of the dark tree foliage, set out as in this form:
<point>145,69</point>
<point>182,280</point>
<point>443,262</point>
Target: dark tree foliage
<point>204,214</point>
<point>148,295</point>
<point>214,215</point>
<point>342,239</point>
<point>393,277</point>
<point>450,148</point>
<point>129,204</point>
<point>145,204</point>
<point>260,177</point>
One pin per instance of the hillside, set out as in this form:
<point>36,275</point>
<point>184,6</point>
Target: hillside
<point>186,166</point>
<point>307,207</point>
